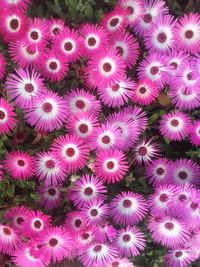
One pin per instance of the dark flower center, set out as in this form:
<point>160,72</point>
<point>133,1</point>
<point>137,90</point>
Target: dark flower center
<point>20,220</point>
<point>160,171</point>
<point>147,18</point>
<point>70,152</point>
<point>88,191</point>
<point>154,70</point>
<point>115,87</point>
<point>127,203</point>
<point>37,224</point>
<point>142,151</point>
<point>169,225</point>
<point>126,238</point>
<point>92,41</point>
<point>189,34</point>
<point>189,76</point>
<point>53,242</point>
<point>120,50</point>
<point>14,24</point>
<point>110,165</point>
<point>29,87</point>
<point>163,197</point>
<point>194,206</point>
<point>50,164</point>
<point>107,67</point>
<point>130,10</point>
<point>85,236</point>
<point>51,191</point>
<point>182,197</point>
<point>174,64</point>
<point>47,107</point>
<point>53,65</point>
<point>83,128</point>
<point>78,223</point>
<point>94,212</point>
<point>7,231</point>
<point>2,115</point>
<point>115,264</point>
<point>80,104</point>
<point>182,175</point>
<point>68,46</point>
<point>21,162</point>
<point>34,35</point>
<point>178,254</point>
<point>56,30</point>
<point>97,248</point>
<point>174,122</point>
<point>114,22</point>
<point>142,90</point>
<point>162,37</point>
<point>105,139</point>
<point>30,51</point>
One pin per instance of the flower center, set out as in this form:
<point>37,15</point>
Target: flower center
<point>68,46</point>
<point>47,107</point>
<point>94,212</point>
<point>88,191</point>
<point>162,37</point>
<point>92,41</point>
<point>85,236</point>
<point>105,139</point>
<point>115,87</point>
<point>37,224</point>
<point>163,197</point>
<point>2,115</point>
<point>14,24</point>
<point>34,35</point>
<point>20,220</point>
<point>114,22</point>
<point>178,254</point>
<point>126,238</point>
<point>56,31</point>
<point>160,171</point>
<point>189,34</point>
<point>174,64</point>
<point>130,10</point>
<point>53,65</point>
<point>77,223</point>
<point>154,70</point>
<point>127,203</point>
<point>53,242</point>
<point>51,191</point>
<point>174,122</point>
<point>29,87</point>
<point>107,67</point>
<point>21,162</point>
<point>110,165</point>
<point>70,152</point>
<point>83,128</point>
<point>194,206</point>
<point>189,76</point>
<point>147,18</point>
<point>97,248</point>
<point>80,104</point>
<point>120,50</point>
<point>182,175</point>
<point>182,197</point>
<point>169,225</point>
<point>7,231</point>
<point>142,90</point>
<point>50,164</point>
<point>30,51</point>
<point>115,264</point>
<point>142,151</point>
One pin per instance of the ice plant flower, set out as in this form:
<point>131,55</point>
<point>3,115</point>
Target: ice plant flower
<point>135,10</point>
<point>15,4</point>
<point>50,197</point>
<point>9,240</point>
<point>2,66</point>
<point>195,133</point>
<point>55,27</point>
<point>179,257</point>
<point>7,117</point>
<point>75,220</point>
<point>120,262</point>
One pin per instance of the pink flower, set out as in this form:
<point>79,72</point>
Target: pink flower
<point>7,117</point>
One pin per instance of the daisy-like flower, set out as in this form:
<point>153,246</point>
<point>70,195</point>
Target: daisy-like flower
<point>152,9</point>
<point>195,133</point>
<point>71,151</point>
<point>50,197</point>
<point>68,44</point>
<point>47,113</point>
<point>157,171</point>
<point>36,34</point>
<point>2,66</point>
<point>23,87</point>
<point>7,117</point>
<point>95,38</point>
<point>105,232</point>
<point>52,66</point>
<point>82,125</point>
<point>24,257</point>
<point>55,243</point>
<point>129,242</point>
<point>75,221</point>
<point>79,101</point>
<point>187,33</point>
<point>15,4</point>
<point>104,137</point>
<point>154,68</point>
<point>145,92</point>
<point>85,189</point>
<point>104,68</point>
<point>135,10</point>
<point>111,166</point>
<point>95,211</point>
<point>116,20</point>
<point>36,223</point>
<point>184,171</point>
<point>145,151</point>
<point>184,193</point>
<point>98,255</point>
<point>120,262</point>
<point>128,208</point>
<point>84,239</point>
<point>179,257</point>
<point>16,216</point>
<point>13,24</point>
<point>169,232</point>
<point>175,125</point>
<point>159,201</point>
<point>160,36</point>
<point>19,165</point>
<point>118,93</point>
<point>194,243</point>
<point>22,55</point>
<point>55,27</point>
<point>48,169</point>
<point>126,46</point>
<point>9,240</point>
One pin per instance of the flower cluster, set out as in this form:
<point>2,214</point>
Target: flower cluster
<point>99,134</point>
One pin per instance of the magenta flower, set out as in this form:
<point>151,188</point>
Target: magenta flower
<point>182,257</point>
<point>120,262</point>
<point>75,221</point>
<point>2,66</point>
<point>50,197</point>
<point>16,4</point>
<point>55,27</point>
<point>7,117</point>
<point>105,232</point>
<point>195,133</point>
<point>9,240</point>
<point>135,11</point>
